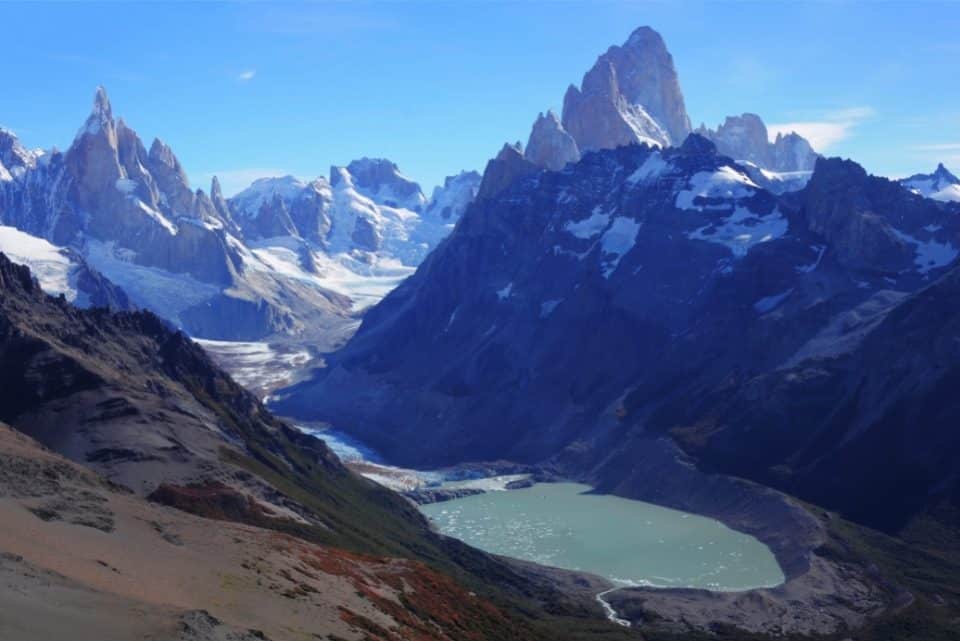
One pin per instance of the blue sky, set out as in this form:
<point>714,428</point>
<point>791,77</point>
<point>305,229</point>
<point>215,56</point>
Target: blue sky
<point>245,90</point>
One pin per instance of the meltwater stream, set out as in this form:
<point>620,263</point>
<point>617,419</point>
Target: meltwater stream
<point>631,543</point>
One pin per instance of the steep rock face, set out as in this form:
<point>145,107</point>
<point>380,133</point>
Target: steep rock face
<point>381,180</point>
<point>170,177</point>
<point>15,159</point>
<point>874,223</point>
<point>131,215</point>
<point>105,188</point>
<point>571,309</point>
<point>632,94</point>
<point>450,200</point>
<point>940,185</point>
<point>793,152</point>
<point>745,138</point>
<point>509,165</point>
<point>550,146</point>
<point>862,419</point>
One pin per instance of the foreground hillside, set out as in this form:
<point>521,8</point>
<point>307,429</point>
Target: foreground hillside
<point>280,528</point>
<point>84,559</point>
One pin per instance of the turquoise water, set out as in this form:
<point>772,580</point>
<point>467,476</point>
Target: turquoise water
<point>630,542</point>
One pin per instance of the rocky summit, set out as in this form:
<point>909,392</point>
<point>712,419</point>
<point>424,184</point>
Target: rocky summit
<point>940,185</point>
<point>634,381</point>
<point>285,258</point>
<point>632,95</point>
<point>615,295</point>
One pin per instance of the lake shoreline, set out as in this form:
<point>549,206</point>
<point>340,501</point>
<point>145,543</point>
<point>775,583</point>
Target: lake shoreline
<point>820,595</point>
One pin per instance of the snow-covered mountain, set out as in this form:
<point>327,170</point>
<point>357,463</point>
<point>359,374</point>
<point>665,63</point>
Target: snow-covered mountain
<point>576,315</point>
<point>283,258</point>
<point>745,138</point>
<point>632,95</point>
<point>940,185</point>
<point>61,271</point>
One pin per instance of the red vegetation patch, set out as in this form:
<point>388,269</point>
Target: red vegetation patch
<point>213,501</point>
<point>427,605</point>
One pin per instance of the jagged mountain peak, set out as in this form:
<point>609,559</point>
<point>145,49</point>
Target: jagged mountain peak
<point>215,190</point>
<point>381,180</point>
<point>550,145</point>
<point>645,36</point>
<point>100,118</point>
<point>161,152</point>
<point>101,103</point>
<point>944,173</point>
<point>13,155</point>
<point>746,138</point>
<point>696,144</point>
<point>642,72</point>
<point>941,185</point>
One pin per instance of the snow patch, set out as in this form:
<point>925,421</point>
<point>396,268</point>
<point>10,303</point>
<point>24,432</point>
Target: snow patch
<point>742,230</point>
<point>929,254</point>
<point>547,306</point>
<point>726,182</point>
<point>504,294</point>
<point>590,226</point>
<point>617,241</point>
<point>770,303</point>
<point>806,269</point>
<point>653,166</point>
<point>48,263</point>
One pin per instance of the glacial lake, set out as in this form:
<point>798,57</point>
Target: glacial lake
<point>628,542</point>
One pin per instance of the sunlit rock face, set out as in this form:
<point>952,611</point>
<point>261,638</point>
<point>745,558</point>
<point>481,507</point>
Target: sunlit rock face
<point>746,138</point>
<point>550,145</point>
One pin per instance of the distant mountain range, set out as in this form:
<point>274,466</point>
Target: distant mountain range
<point>940,185</point>
<point>632,96</point>
<point>282,258</point>
<point>583,309</point>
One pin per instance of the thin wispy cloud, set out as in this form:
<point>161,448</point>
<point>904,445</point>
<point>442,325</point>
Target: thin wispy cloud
<point>945,152</point>
<point>942,146</point>
<point>835,125</point>
<point>246,76</point>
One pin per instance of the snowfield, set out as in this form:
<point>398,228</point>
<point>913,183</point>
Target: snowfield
<point>50,264</point>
